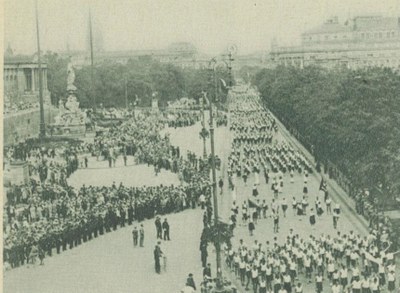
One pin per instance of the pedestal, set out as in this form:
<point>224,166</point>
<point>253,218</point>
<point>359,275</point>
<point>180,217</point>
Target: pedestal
<point>68,130</point>
<point>224,290</point>
<point>16,173</point>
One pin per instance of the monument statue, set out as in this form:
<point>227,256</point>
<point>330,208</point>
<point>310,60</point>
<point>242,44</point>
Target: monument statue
<point>70,119</point>
<point>71,78</point>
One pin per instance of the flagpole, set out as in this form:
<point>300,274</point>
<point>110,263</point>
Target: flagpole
<point>42,125</point>
<point>91,60</point>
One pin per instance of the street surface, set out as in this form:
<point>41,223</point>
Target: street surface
<point>111,264</point>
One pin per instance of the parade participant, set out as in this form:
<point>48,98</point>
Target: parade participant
<point>276,222</point>
<point>284,206</point>
<point>312,218</point>
<point>335,218</point>
<point>328,203</point>
<point>356,285</point>
<point>391,281</point>
<point>255,190</point>
<point>375,288</point>
<point>299,288</point>
<point>318,283</point>
<point>336,288</point>
<point>251,227</point>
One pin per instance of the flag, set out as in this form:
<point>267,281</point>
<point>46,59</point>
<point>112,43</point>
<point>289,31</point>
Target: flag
<point>252,204</point>
<point>322,185</point>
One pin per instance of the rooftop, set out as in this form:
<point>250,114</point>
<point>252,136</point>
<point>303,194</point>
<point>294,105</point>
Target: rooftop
<point>359,23</point>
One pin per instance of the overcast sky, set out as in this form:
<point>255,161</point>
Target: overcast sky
<point>154,24</point>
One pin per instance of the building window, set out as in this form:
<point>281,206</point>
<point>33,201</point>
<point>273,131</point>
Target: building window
<point>368,35</point>
<point>388,34</point>
<point>393,34</point>
<point>28,121</point>
<point>362,35</point>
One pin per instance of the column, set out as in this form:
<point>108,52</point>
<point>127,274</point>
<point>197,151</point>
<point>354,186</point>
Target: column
<point>33,80</point>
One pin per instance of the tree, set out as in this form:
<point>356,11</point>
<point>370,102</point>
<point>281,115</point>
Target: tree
<point>349,116</point>
<point>56,76</point>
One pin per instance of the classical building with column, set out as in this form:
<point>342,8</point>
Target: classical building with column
<point>363,41</point>
<point>21,80</point>
<point>21,97</point>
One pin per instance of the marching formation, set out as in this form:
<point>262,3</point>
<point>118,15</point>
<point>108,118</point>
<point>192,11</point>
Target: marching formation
<point>269,182</point>
<point>341,262</point>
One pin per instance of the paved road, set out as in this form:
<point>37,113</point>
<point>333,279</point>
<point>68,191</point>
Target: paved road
<point>110,263</point>
<point>99,174</point>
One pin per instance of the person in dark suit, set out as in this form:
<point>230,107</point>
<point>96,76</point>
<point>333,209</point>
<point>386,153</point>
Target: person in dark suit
<point>190,281</point>
<point>165,227</point>
<point>204,253</point>
<point>207,272</point>
<point>157,255</point>
<point>158,227</point>
<point>141,232</point>
<point>135,235</point>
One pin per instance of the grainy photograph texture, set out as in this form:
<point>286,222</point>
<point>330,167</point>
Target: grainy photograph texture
<point>174,146</point>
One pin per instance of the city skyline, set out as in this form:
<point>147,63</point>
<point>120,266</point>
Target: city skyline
<point>209,25</point>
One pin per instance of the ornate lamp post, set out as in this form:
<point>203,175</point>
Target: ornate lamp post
<point>219,284</point>
<point>203,133</point>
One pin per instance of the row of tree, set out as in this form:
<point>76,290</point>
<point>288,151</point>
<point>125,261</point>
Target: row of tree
<point>116,85</point>
<point>350,117</point>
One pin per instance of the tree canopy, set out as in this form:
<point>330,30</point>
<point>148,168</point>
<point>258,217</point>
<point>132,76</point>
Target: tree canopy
<point>142,78</point>
<point>351,117</point>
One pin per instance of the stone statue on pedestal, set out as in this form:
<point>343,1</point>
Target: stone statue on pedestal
<point>71,78</point>
<point>70,115</point>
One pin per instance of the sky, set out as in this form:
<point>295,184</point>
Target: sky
<point>210,25</point>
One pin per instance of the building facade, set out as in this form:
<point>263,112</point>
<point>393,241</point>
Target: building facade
<point>363,41</point>
<point>21,81</point>
<point>21,97</point>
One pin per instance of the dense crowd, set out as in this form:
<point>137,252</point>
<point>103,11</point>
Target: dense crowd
<point>10,108</point>
<point>54,215</point>
<point>181,118</point>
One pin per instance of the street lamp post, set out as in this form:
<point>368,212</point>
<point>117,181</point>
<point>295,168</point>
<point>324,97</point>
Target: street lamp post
<point>219,283</point>
<point>203,130</point>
